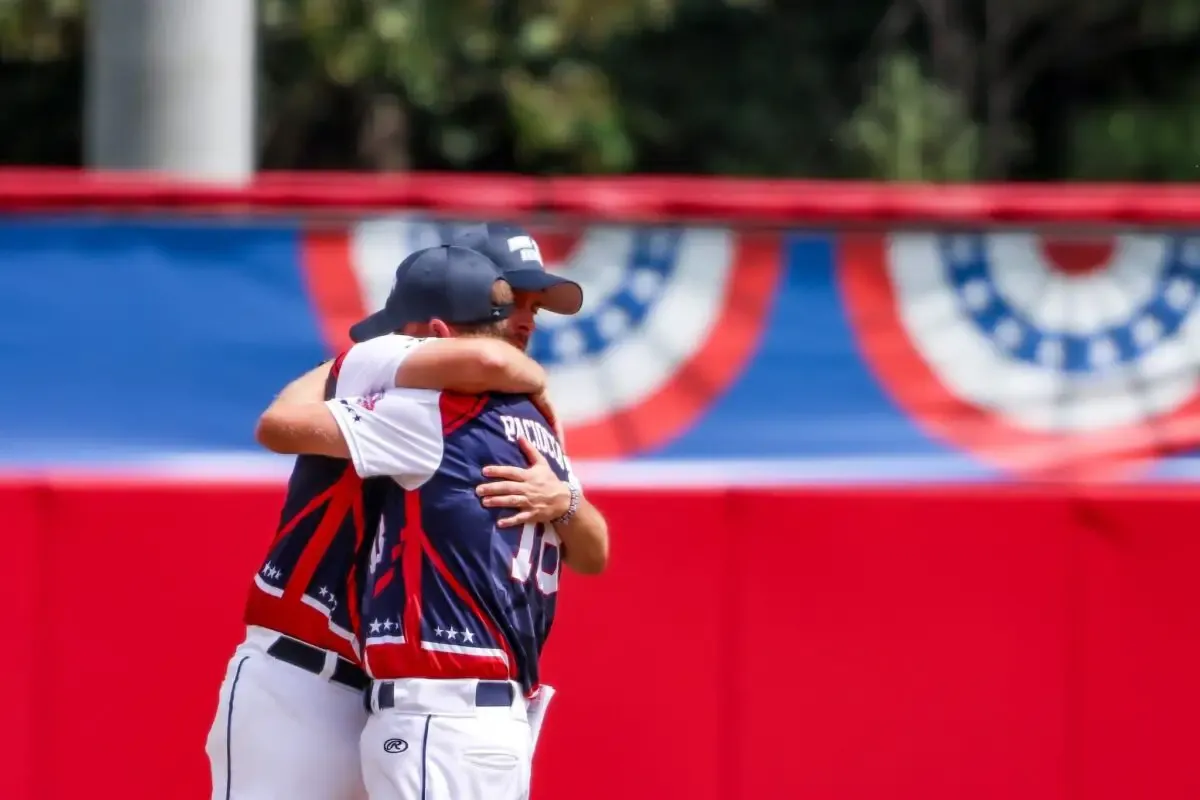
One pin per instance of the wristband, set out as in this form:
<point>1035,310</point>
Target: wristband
<point>571,509</point>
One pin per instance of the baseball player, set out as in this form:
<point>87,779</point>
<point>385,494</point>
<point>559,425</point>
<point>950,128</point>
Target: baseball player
<point>290,712</point>
<point>458,599</point>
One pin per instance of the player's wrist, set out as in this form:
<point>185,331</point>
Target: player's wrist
<point>561,500</point>
<point>572,507</point>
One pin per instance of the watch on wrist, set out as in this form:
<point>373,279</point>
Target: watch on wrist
<point>571,509</point>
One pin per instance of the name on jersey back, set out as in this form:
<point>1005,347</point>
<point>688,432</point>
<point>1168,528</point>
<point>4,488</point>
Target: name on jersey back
<point>535,432</point>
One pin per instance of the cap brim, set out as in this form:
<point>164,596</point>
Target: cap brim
<point>376,325</point>
<point>559,295</point>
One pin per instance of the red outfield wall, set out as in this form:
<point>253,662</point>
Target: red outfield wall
<point>819,644</point>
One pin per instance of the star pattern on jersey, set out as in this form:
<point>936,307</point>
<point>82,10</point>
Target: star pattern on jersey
<point>351,411</point>
<point>452,634</point>
<point>269,570</point>
<point>328,597</point>
<point>384,626</point>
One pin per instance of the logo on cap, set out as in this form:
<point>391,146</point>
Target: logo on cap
<point>527,248</point>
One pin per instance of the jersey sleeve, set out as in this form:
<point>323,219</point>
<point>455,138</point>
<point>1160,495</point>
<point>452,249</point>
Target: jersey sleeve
<point>396,433</point>
<point>371,366</point>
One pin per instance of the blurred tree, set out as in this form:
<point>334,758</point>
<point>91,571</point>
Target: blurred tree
<point>745,90</point>
<point>994,53</point>
<point>1148,142</point>
<point>922,89</point>
<point>39,30</point>
<point>41,82</point>
<point>910,129</point>
<point>1151,130</point>
<point>469,78</point>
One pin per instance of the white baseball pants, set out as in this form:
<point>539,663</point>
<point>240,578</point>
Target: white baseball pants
<point>282,733</point>
<point>449,740</point>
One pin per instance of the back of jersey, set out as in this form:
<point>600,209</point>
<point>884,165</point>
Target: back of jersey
<point>479,597</point>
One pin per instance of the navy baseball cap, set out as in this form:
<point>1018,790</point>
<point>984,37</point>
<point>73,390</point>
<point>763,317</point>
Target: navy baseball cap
<point>453,284</point>
<point>517,254</point>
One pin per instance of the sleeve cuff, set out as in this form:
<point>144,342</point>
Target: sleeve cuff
<point>343,415</point>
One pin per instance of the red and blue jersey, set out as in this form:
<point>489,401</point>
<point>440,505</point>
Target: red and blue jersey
<point>307,586</point>
<point>448,593</point>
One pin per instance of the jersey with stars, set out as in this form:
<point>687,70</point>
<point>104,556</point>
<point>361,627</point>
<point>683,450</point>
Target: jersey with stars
<point>448,593</point>
<point>306,586</point>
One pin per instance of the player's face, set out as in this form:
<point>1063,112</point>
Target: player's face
<point>521,323</point>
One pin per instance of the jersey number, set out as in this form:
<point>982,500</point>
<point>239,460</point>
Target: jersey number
<point>536,539</point>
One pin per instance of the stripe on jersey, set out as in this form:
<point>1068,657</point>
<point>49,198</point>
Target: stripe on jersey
<point>412,539</point>
<point>387,577</point>
<point>352,598</point>
<point>459,409</point>
<point>465,597</point>
<point>329,493</point>
<point>313,506</point>
<point>343,494</point>
<point>334,372</point>
<point>414,657</point>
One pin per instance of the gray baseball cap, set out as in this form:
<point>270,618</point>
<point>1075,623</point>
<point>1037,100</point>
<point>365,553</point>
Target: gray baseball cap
<point>518,255</point>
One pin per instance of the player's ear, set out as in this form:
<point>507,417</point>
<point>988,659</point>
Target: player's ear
<point>439,329</point>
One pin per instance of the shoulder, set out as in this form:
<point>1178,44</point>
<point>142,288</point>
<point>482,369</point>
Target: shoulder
<point>458,409</point>
<point>371,366</point>
<point>393,409</point>
<point>383,348</point>
<point>396,432</point>
<point>398,401</point>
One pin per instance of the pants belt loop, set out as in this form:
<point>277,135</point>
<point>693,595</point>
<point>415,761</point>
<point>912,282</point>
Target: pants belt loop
<point>331,662</point>
<point>375,686</point>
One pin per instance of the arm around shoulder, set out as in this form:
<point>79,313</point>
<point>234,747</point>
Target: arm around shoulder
<point>301,428</point>
<point>396,433</point>
<point>471,365</point>
<point>297,421</point>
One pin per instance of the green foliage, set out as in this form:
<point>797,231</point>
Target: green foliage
<point>444,57</point>
<point>39,30</point>
<point>1139,142</point>
<point>1174,19</point>
<point>928,90</point>
<point>910,129</point>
